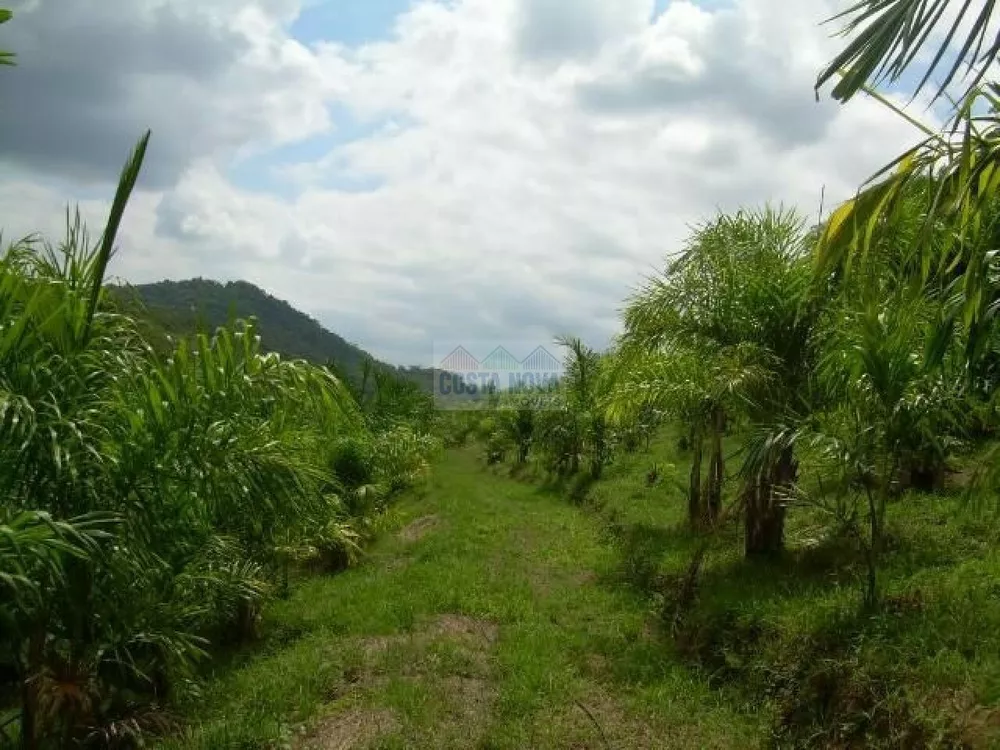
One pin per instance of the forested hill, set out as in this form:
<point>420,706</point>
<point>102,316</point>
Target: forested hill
<point>177,308</point>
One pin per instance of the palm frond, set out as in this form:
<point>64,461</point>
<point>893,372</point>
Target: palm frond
<point>126,183</point>
<point>889,35</point>
<point>6,58</point>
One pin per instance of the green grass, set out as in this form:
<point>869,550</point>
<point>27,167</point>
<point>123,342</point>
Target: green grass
<point>504,624</point>
<point>496,612</point>
<point>790,635</point>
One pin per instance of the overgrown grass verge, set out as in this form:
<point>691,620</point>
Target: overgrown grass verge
<point>790,635</point>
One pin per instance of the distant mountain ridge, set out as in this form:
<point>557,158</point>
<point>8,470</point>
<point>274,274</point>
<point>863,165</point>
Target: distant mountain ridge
<point>178,308</point>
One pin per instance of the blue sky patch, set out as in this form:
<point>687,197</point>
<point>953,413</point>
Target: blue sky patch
<point>661,5</point>
<point>350,22</point>
<point>262,172</point>
<point>356,22</point>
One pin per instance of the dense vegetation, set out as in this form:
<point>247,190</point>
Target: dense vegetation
<point>152,502</point>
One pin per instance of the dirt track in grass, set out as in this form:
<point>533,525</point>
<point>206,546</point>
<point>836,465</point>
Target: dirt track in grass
<point>492,616</point>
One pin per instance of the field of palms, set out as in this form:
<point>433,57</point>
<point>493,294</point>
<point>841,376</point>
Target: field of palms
<point>766,514</point>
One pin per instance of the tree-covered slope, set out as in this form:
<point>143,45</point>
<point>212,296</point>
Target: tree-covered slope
<point>177,308</point>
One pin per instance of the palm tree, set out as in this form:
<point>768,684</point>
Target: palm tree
<point>582,386</point>
<point>893,413</point>
<point>516,420</point>
<point>148,499</point>
<point>892,383</point>
<point>697,385</point>
<point>725,332</point>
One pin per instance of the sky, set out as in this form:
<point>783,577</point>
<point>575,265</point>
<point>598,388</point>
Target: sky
<point>417,171</point>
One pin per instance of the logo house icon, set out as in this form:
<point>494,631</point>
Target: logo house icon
<point>541,360</point>
<point>460,361</point>
<point>501,360</point>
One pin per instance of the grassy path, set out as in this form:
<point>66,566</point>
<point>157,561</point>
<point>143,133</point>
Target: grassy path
<point>490,617</point>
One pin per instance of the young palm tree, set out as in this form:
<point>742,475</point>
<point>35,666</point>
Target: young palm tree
<point>697,385</point>
<point>516,420</point>
<point>725,333</point>
<point>893,415</point>
<point>583,385</point>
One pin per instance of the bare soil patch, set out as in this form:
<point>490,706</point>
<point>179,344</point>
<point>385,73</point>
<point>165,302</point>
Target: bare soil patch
<point>354,728</point>
<point>596,721</point>
<point>471,699</point>
<point>462,626</point>
<point>464,685</point>
<point>417,530</point>
<point>374,645</point>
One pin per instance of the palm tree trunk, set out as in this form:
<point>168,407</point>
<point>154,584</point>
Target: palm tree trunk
<point>28,718</point>
<point>716,469</point>
<point>877,503</point>
<point>872,551</point>
<point>765,506</point>
<point>597,459</point>
<point>29,689</point>
<point>694,487</point>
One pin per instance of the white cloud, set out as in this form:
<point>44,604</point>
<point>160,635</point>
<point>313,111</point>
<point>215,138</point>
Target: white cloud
<point>211,79</point>
<point>541,159</point>
<point>548,28</point>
